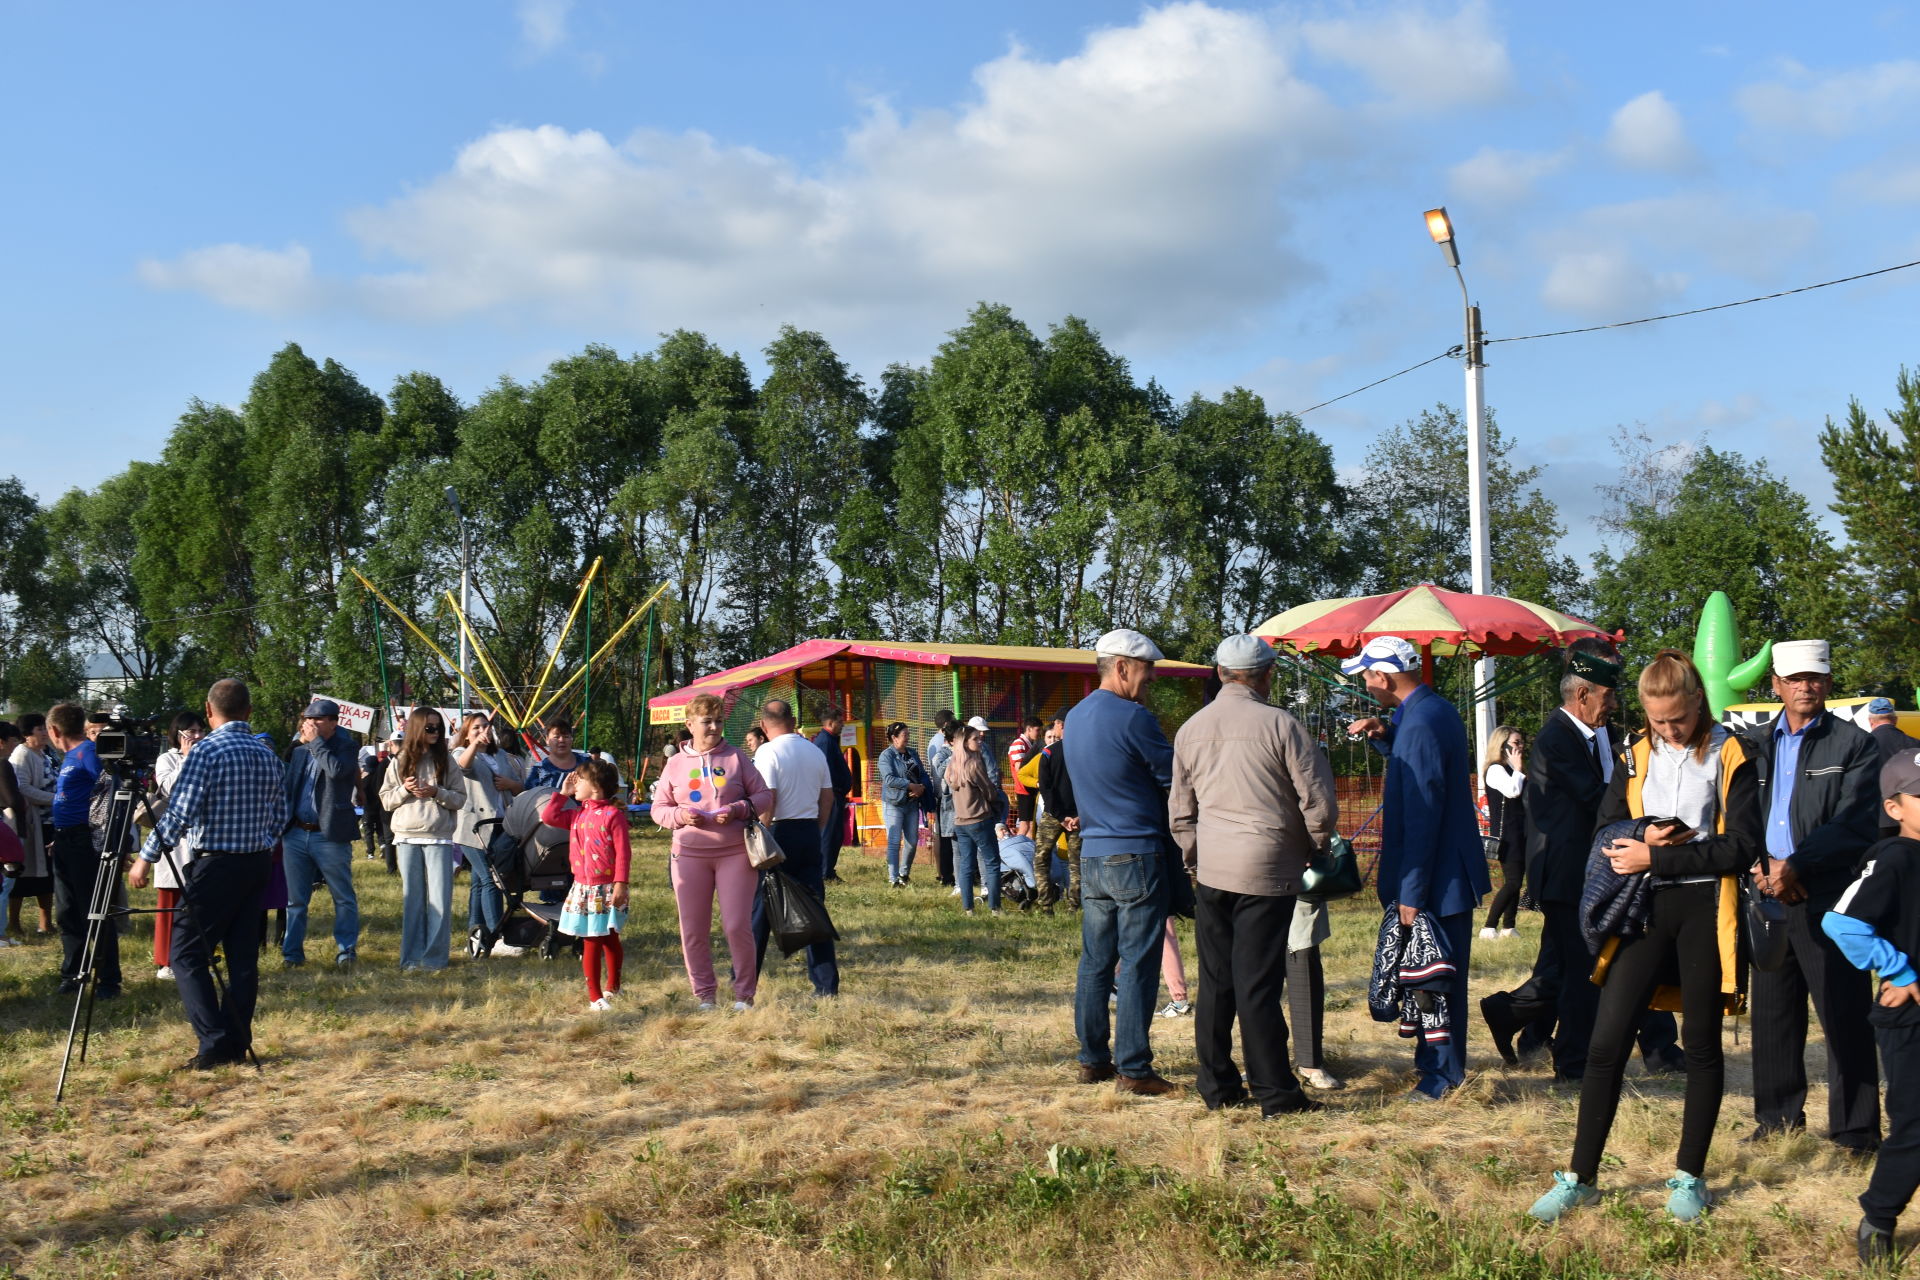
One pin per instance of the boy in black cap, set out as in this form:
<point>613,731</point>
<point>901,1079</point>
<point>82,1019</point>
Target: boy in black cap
<point>1876,925</point>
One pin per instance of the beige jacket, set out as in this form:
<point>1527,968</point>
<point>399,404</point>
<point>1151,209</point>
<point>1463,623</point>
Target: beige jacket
<point>416,820</point>
<point>1252,795</point>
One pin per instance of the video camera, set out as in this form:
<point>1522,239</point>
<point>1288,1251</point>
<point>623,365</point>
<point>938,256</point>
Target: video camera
<point>129,740</point>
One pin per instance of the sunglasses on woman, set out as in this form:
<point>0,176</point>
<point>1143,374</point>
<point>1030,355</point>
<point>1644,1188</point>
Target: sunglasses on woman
<point>434,728</point>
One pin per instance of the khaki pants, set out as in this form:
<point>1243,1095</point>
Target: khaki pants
<point>1044,844</point>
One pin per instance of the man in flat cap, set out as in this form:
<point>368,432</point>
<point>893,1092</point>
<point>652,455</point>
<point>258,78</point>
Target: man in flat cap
<point>321,773</point>
<point>1252,801</point>
<point>1122,768</point>
<point>1819,802</point>
<point>1431,859</point>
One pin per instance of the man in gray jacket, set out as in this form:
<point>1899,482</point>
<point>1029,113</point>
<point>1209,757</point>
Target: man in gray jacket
<point>322,771</point>
<point>1252,800</point>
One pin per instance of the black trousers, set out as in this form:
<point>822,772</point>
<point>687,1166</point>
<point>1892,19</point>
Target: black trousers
<point>1896,1173</point>
<point>1842,997</point>
<point>1684,936</point>
<point>220,907</point>
<point>799,839</point>
<point>1242,941</point>
<point>1306,1004</point>
<point>943,857</point>
<point>1578,1000</point>
<point>1505,911</point>
<point>75,865</point>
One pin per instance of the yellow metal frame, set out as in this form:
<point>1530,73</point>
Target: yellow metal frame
<point>495,695</point>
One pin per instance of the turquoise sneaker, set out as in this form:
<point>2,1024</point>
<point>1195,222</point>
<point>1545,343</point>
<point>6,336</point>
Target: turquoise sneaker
<point>1568,1193</point>
<point>1690,1196</point>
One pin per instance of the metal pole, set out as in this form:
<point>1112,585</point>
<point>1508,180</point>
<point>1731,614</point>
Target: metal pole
<point>646,695</point>
<point>586,686</point>
<point>380,647</point>
<point>466,600</point>
<point>1479,541</point>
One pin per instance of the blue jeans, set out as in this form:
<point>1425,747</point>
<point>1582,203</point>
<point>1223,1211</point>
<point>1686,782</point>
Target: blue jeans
<point>972,842</point>
<point>1123,917</point>
<point>426,905</point>
<point>485,903</point>
<point>903,836</point>
<point>832,837</point>
<point>799,839</point>
<point>1442,1066</point>
<point>307,857</point>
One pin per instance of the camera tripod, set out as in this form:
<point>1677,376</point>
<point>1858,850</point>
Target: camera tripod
<point>102,915</point>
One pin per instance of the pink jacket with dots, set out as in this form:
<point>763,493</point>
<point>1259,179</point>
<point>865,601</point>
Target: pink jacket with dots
<point>709,781</point>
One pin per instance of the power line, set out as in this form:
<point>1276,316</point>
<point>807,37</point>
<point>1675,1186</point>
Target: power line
<point>1722,306</point>
<point>1450,351</point>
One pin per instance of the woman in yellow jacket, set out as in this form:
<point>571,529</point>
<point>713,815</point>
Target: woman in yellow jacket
<point>1692,771</point>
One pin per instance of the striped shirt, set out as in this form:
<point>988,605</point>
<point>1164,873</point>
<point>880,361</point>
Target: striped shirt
<point>230,796</point>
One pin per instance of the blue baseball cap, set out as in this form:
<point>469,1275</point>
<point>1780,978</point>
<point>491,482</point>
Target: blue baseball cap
<point>1880,707</point>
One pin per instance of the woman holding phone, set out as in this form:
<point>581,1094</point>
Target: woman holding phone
<point>1692,775</point>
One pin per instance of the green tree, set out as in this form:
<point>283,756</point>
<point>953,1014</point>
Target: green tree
<point>1876,486</point>
<point>1733,526</point>
<point>30,632</point>
<point>1411,515</point>
<point>92,545</point>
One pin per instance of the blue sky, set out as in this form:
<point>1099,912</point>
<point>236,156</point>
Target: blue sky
<point>1231,194</point>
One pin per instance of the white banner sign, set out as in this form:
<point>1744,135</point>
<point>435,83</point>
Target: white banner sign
<point>448,715</point>
<point>354,718</point>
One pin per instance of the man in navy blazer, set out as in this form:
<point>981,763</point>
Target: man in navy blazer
<point>1431,858</point>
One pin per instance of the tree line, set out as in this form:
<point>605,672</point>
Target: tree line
<point>1018,488</point>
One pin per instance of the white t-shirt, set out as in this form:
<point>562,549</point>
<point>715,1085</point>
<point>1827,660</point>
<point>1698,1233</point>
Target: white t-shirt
<point>797,771</point>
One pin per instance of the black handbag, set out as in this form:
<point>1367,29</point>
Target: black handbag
<point>1766,920</point>
<point>1180,896</point>
<point>1332,873</point>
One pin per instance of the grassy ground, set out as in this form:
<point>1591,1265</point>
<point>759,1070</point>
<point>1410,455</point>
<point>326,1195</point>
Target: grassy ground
<point>478,1123</point>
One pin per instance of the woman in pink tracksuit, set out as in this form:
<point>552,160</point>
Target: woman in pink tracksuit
<point>707,793</point>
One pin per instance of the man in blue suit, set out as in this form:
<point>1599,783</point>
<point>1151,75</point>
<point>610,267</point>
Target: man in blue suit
<point>1431,859</point>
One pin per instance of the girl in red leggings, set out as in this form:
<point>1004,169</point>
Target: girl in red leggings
<point>601,854</point>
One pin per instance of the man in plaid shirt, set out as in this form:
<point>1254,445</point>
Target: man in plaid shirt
<point>230,795</point>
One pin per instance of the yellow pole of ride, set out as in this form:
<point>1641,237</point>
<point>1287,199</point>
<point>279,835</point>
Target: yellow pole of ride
<point>579,597</point>
<point>598,654</point>
<point>424,638</point>
<point>514,717</point>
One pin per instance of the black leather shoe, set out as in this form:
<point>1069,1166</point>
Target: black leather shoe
<point>1768,1132</point>
<point>1239,1102</point>
<point>1297,1104</point>
<point>68,986</point>
<point>1493,1010</point>
<point>1671,1063</point>
<point>1875,1246</point>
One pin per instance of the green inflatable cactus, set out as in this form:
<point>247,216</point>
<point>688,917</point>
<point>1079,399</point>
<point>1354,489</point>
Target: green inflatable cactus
<point>1716,651</point>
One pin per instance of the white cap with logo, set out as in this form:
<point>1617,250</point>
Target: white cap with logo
<point>1383,653</point>
<point>1126,643</point>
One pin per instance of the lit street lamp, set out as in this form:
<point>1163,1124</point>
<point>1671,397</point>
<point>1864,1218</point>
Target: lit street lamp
<point>466,605</point>
<point>1479,547</point>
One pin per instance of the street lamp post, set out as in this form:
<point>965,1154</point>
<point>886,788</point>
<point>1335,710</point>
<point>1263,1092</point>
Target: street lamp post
<point>466,583</point>
<point>1479,544</point>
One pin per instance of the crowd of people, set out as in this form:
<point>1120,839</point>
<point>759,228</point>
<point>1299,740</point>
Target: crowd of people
<point>1682,867</point>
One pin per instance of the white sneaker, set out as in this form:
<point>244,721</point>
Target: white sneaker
<point>1507,933</point>
<point>1321,1078</point>
<point>1488,935</point>
<point>8,942</point>
<point>706,1006</point>
<point>164,973</point>
<point>955,893</point>
<point>1175,1009</point>
<point>741,1006</point>
<point>600,1006</point>
<point>502,949</point>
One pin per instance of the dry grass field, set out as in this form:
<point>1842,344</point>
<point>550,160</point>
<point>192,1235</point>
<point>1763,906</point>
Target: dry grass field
<point>479,1123</point>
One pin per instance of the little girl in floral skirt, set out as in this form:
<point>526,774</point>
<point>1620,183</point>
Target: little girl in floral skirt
<point>601,854</point>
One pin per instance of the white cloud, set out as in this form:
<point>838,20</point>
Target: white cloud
<point>240,276</point>
<point>1607,284</point>
<point>1834,103</point>
<point>1647,133</point>
<point>1417,59</point>
<point>1887,182</point>
<point>1139,182</point>
<point>1503,178</point>
<point>543,24</point>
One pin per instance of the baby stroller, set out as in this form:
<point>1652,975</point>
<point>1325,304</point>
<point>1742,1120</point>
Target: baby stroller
<point>526,856</point>
<point>1018,884</point>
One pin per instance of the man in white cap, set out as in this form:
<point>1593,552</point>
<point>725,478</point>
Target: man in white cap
<point>1252,801</point>
<point>1431,859</point>
<point>1122,768</point>
<point>1819,798</point>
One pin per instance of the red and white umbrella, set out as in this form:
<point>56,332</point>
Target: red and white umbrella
<point>1433,619</point>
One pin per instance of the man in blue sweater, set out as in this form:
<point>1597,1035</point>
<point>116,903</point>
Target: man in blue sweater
<point>1431,859</point>
<point>1122,768</point>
